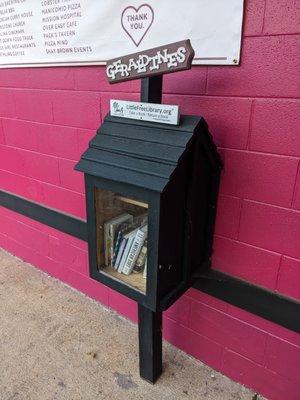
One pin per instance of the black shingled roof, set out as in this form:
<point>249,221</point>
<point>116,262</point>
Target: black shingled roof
<point>141,153</point>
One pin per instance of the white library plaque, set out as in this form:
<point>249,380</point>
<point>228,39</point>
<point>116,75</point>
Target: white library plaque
<point>162,113</point>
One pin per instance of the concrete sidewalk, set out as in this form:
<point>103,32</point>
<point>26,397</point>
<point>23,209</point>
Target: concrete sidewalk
<point>57,344</point>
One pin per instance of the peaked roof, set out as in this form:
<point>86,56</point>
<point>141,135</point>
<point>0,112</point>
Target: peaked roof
<point>140,153</point>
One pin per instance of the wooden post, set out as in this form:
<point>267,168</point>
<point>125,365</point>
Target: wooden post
<point>150,322</point>
<point>150,343</point>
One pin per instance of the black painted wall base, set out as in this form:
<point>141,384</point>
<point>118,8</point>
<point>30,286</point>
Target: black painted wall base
<point>259,301</point>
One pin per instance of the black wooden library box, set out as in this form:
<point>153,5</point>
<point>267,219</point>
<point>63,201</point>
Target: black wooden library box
<point>151,192</point>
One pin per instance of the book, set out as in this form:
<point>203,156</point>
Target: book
<point>141,259</point>
<point>123,229</point>
<point>135,249</point>
<point>145,270</point>
<point>130,235</point>
<point>117,246</point>
<point>111,228</point>
<point>120,252</point>
<point>141,219</point>
<point>125,236</point>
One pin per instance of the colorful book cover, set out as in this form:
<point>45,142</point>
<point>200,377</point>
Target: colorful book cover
<point>135,249</point>
<point>111,227</point>
<point>117,246</point>
<point>120,253</point>
<point>141,259</point>
<point>131,236</point>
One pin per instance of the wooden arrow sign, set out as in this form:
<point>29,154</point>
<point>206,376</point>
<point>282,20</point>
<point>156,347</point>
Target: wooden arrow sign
<point>172,57</point>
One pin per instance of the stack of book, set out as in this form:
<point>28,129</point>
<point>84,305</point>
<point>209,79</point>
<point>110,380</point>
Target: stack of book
<point>125,243</point>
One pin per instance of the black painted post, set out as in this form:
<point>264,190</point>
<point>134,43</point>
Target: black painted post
<point>150,343</point>
<point>151,89</point>
<point>150,322</point>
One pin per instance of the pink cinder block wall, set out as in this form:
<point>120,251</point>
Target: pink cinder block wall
<point>47,117</point>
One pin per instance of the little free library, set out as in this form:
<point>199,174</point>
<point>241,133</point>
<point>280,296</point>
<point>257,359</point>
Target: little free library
<point>148,237</point>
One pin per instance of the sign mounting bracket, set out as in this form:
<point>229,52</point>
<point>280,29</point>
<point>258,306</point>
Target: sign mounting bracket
<point>151,89</point>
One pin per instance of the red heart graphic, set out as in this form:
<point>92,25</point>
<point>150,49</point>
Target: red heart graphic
<point>136,22</point>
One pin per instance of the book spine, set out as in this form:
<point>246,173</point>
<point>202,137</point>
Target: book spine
<point>106,243</point>
<point>111,244</point>
<point>125,253</point>
<point>141,259</point>
<point>134,252</point>
<point>120,253</point>
<point>145,270</point>
<point>116,249</point>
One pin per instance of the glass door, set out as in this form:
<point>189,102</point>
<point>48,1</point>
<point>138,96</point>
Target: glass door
<point>122,231</point>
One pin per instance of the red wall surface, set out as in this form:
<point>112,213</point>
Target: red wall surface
<point>47,117</point>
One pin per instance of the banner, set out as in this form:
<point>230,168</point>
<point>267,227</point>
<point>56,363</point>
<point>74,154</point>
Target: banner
<point>88,32</point>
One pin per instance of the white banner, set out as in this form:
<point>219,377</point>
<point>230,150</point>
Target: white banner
<point>82,32</point>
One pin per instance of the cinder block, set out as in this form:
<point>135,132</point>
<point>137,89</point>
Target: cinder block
<point>83,138</point>
<point>123,305</point>
<point>192,343</point>
<point>63,237</point>
<point>64,200</point>
<point>39,166</point>
<point>281,17</point>
<point>55,140</point>
<point>27,254</point>
<point>51,78</point>
<point>3,241</point>
<point>262,380</point>
<point>27,236</point>
<point>20,185</point>
<point>204,298</point>
<point>2,137</point>
<point>228,216</point>
<point>7,105</point>
<point>84,284</point>
<point>186,82</point>
<point>180,311</point>
<point>11,159</point>
<point>78,109</point>
<point>296,199</point>
<point>228,332</point>
<point>94,78</point>
<point>268,68</point>
<point>253,17</point>
<point>15,77</point>
<point>283,358</point>
<point>34,105</point>
<point>20,134</point>
<point>227,118</point>
<point>273,228</point>
<point>246,262</point>
<point>275,127</point>
<point>257,176</point>
<point>69,178</point>
<point>289,278</point>
<point>263,324</point>
<point>71,256</point>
